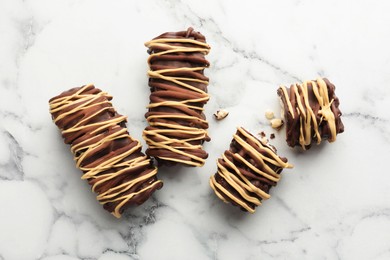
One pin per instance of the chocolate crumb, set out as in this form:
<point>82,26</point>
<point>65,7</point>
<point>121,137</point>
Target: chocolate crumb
<point>262,134</point>
<point>276,123</point>
<point>269,114</point>
<point>221,114</point>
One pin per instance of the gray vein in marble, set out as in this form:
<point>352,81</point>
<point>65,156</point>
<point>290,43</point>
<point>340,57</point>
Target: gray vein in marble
<point>13,169</point>
<point>369,118</point>
<point>382,212</point>
<point>288,209</point>
<point>200,237</point>
<point>15,117</point>
<point>139,221</point>
<point>25,29</point>
<point>133,256</point>
<point>217,67</point>
<point>313,57</point>
<point>252,55</point>
<point>379,123</point>
<point>198,234</point>
<point>11,115</point>
<point>215,238</point>
<point>29,34</point>
<point>336,249</point>
<point>212,26</point>
<point>294,235</point>
<point>291,238</point>
<point>138,218</point>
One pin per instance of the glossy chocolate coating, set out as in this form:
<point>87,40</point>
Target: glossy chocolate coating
<point>99,139</point>
<point>177,107</point>
<point>242,163</point>
<point>294,119</point>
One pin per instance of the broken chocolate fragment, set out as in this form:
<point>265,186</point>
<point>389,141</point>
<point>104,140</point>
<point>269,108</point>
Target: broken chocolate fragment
<point>177,124</point>
<point>247,171</point>
<point>111,160</point>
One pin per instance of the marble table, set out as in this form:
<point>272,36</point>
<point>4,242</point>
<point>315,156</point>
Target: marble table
<point>334,204</point>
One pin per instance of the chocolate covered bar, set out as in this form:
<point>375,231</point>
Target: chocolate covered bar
<point>111,160</point>
<point>247,171</point>
<point>311,112</point>
<point>177,124</point>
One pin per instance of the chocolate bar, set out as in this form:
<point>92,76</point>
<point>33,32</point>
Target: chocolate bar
<point>311,112</point>
<point>110,159</point>
<point>177,124</point>
<point>247,171</point>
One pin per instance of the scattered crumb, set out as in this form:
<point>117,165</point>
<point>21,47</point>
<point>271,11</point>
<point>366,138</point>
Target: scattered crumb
<point>262,134</point>
<point>264,140</point>
<point>269,114</point>
<point>276,123</point>
<point>272,136</point>
<point>221,114</point>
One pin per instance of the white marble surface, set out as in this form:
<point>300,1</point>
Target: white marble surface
<point>335,203</point>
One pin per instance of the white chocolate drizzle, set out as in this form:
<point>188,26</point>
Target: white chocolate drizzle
<point>237,180</point>
<point>163,130</point>
<point>103,133</point>
<point>308,123</point>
